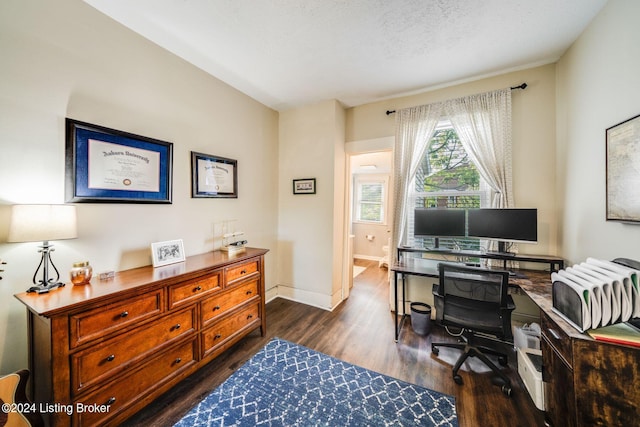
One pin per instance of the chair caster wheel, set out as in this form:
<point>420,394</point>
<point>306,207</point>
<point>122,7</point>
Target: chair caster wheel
<point>506,390</point>
<point>457,378</point>
<point>503,361</point>
<point>435,350</point>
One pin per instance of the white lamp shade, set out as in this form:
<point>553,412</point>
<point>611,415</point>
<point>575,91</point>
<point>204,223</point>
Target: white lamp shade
<point>33,223</point>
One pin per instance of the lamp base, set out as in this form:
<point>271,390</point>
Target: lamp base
<point>45,284</point>
<point>43,289</point>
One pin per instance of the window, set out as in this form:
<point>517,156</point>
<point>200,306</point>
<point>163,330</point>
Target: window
<point>446,178</point>
<point>371,196</point>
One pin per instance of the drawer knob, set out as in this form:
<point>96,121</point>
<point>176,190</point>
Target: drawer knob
<point>218,336</point>
<point>243,271</point>
<point>124,314</point>
<point>249,292</point>
<point>250,316</point>
<point>198,288</point>
<point>178,360</point>
<point>111,401</point>
<point>176,326</point>
<point>217,307</point>
<point>111,358</point>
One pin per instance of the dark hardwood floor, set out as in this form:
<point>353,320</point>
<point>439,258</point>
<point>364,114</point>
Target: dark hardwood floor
<point>360,331</point>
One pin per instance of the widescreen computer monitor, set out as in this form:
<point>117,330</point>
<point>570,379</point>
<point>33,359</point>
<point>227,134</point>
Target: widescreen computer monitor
<point>438,223</point>
<point>504,225</point>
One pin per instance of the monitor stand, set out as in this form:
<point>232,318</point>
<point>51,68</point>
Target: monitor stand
<point>502,250</point>
<point>436,246</point>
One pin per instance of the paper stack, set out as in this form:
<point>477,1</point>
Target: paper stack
<point>620,333</point>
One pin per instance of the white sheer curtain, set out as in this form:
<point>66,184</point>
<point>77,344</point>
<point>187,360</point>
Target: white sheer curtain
<point>414,128</point>
<point>483,124</point>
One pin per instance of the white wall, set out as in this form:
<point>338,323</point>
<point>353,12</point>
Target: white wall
<point>598,87</point>
<point>311,226</point>
<point>64,59</point>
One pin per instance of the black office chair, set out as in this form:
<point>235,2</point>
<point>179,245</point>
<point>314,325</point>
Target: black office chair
<point>476,300</point>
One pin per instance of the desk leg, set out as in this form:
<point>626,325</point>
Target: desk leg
<point>395,301</point>
<point>395,297</point>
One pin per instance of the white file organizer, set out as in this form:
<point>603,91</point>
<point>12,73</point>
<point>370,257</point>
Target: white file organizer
<point>596,293</point>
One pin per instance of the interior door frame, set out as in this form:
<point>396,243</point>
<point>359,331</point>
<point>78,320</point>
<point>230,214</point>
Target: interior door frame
<point>356,148</point>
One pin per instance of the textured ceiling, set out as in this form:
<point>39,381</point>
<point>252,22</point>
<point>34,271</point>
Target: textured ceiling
<point>288,53</point>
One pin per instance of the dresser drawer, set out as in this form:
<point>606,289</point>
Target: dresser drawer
<point>239,272</point>
<point>222,331</point>
<point>557,338</point>
<point>126,390</point>
<point>99,322</point>
<point>217,305</point>
<point>185,292</point>
<point>94,366</point>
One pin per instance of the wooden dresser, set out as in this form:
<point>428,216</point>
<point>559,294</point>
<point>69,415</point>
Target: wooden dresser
<point>588,382</point>
<point>100,352</point>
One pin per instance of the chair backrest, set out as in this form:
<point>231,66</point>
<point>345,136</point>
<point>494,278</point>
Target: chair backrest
<point>474,298</point>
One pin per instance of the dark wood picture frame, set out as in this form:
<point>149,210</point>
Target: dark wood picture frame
<point>304,186</point>
<point>106,165</point>
<point>213,176</point>
<point>623,176</point>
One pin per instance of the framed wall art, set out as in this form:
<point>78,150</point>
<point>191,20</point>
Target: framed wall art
<point>213,176</point>
<point>623,171</point>
<point>108,165</point>
<point>304,186</point>
<point>169,252</point>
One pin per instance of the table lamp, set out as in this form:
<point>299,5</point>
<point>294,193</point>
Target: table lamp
<point>32,223</point>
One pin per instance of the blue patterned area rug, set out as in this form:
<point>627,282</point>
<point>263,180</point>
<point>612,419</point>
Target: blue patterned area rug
<point>285,384</point>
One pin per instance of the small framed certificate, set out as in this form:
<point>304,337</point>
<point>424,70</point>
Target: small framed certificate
<point>213,176</point>
<point>107,165</point>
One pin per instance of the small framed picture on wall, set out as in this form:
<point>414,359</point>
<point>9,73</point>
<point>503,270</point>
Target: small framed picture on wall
<point>304,186</point>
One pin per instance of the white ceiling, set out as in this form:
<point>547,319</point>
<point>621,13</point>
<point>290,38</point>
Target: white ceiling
<point>288,53</point>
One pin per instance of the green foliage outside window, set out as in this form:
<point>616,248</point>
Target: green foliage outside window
<point>448,173</point>
<point>449,165</point>
<point>448,168</point>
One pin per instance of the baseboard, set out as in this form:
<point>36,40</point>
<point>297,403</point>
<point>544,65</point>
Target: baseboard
<point>271,294</point>
<point>367,257</point>
<point>313,299</point>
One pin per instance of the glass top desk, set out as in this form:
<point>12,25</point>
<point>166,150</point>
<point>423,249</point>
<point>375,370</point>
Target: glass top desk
<point>555,263</point>
<point>426,267</point>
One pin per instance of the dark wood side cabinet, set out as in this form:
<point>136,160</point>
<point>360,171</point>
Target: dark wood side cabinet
<point>100,352</point>
<point>588,382</point>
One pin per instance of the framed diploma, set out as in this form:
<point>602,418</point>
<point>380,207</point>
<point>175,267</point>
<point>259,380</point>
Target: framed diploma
<point>623,171</point>
<point>107,165</point>
<point>213,176</point>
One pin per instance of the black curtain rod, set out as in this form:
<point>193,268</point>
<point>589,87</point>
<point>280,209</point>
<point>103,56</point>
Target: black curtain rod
<point>522,86</point>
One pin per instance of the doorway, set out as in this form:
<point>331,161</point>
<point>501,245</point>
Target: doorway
<point>369,216</point>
